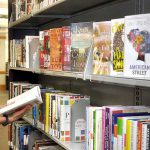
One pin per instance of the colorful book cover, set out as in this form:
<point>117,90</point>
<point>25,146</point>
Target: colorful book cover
<point>117,44</point>
<point>81,43</point>
<point>56,49</point>
<point>24,136</point>
<point>44,49</point>
<point>102,48</point>
<point>66,48</point>
<point>137,46</point>
<point>29,6</point>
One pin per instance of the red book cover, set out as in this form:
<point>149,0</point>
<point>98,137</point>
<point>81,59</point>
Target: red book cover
<point>41,49</point>
<point>66,44</point>
<point>56,49</point>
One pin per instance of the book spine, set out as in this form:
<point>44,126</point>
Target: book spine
<point>115,141</point>
<point>94,130</point>
<point>139,135</point>
<point>135,132</point>
<point>87,128</point>
<point>120,134</point>
<point>107,138</point>
<point>148,138</point>
<point>144,135</point>
<point>128,135</point>
<point>47,113</point>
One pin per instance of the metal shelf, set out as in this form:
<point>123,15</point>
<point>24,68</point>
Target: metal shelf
<point>65,145</point>
<point>70,74</point>
<point>60,9</point>
<point>120,80</point>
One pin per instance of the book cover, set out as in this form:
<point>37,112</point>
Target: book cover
<point>44,49</point>
<point>56,49</point>
<point>24,137</point>
<point>117,45</point>
<point>137,46</point>
<point>81,42</point>
<point>102,48</point>
<point>66,48</point>
<point>29,97</point>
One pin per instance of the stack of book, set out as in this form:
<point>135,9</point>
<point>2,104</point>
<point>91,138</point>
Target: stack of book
<point>21,8</point>
<point>117,128</point>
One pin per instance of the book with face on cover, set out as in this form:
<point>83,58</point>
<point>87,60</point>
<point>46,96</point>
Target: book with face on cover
<point>28,97</point>
<point>102,48</point>
<point>137,46</point>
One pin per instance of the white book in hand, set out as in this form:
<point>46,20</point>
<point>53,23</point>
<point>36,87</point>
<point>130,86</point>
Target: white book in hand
<point>28,97</point>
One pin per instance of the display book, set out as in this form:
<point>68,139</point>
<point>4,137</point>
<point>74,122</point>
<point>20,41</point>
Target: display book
<point>112,43</point>
<point>22,8</point>
<point>23,136</point>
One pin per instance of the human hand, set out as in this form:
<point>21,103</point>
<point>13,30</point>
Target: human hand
<point>20,113</point>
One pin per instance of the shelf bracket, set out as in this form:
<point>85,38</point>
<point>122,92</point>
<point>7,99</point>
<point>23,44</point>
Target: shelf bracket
<point>137,96</point>
<point>52,16</point>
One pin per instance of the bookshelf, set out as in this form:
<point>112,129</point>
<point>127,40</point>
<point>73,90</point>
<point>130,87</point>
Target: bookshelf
<point>104,90</point>
<point>65,145</point>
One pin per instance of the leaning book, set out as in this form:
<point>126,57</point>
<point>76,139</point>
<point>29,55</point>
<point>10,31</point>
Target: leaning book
<point>137,46</point>
<point>29,97</point>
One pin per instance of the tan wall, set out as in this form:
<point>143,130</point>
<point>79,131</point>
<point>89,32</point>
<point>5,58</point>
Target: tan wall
<point>3,56</point>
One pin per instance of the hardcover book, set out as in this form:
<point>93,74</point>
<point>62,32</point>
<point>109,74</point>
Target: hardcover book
<point>29,97</point>
<point>102,48</point>
<point>56,49</point>
<point>66,46</point>
<point>81,42</point>
<point>117,45</point>
<point>137,46</point>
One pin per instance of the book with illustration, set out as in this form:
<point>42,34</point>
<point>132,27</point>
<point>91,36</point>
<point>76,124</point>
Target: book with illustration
<point>81,42</point>
<point>137,46</point>
<point>117,45</point>
<point>102,48</point>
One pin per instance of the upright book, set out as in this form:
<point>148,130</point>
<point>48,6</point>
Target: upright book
<point>81,42</point>
<point>137,46</point>
<point>102,48</point>
<point>55,49</point>
<point>117,45</point>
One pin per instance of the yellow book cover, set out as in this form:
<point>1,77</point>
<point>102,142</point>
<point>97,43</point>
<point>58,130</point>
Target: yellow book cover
<point>128,135</point>
<point>47,123</point>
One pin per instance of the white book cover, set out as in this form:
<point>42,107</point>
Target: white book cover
<point>117,46</point>
<point>144,136</point>
<point>137,46</point>
<point>29,97</point>
<point>28,39</point>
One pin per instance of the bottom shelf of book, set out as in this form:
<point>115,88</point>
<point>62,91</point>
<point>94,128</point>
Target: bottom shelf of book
<point>65,145</point>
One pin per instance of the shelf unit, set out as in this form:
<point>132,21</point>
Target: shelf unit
<point>103,90</point>
<point>65,145</point>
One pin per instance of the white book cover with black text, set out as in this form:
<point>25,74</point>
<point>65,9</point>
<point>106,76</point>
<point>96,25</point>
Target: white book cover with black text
<point>137,46</point>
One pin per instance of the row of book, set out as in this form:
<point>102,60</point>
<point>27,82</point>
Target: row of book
<point>118,128</point>
<point>21,8</point>
<point>69,117</point>
<point>22,136</point>
<point>117,47</point>
<point>61,115</point>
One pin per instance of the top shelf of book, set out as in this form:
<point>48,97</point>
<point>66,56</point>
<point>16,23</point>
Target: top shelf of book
<point>58,10</point>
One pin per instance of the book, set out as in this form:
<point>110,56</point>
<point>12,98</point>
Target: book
<point>29,97</point>
<point>117,45</point>
<point>66,48</point>
<point>56,49</point>
<point>44,49</point>
<point>81,43</point>
<point>102,48</point>
<point>137,46</point>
